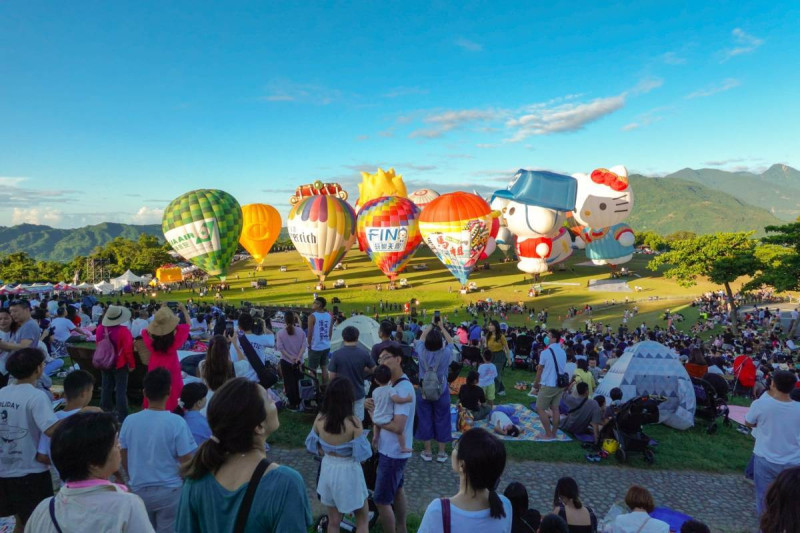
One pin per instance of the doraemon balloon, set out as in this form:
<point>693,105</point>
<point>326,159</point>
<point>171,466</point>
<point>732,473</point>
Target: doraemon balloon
<point>537,202</point>
<point>605,199</point>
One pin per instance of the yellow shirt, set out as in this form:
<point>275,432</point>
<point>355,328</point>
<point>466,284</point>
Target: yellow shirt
<point>496,346</point>
<point>586,377</point>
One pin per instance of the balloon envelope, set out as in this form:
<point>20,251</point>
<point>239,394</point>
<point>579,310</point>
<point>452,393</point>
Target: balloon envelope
<point>456,227</point>
<point>204,227</point>
<point>260,230</point>
<point>388,229</point>
<point>322,228</point>
<point>423,197</point>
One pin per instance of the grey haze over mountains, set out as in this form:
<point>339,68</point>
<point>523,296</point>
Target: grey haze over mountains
<point>701,201</point>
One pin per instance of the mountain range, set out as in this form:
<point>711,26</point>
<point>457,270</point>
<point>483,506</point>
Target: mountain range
<point>702,201</point>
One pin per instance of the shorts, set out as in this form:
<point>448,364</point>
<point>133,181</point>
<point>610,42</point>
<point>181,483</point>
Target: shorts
<point>549,397</point>
<point>317,358</point>
<point>341,484</point>
<point>389,479</point>
<point>20,495</point>
<point>489,391</point>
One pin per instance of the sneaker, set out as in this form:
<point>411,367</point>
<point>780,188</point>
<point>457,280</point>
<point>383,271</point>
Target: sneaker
<point>441,458</point>
<point>501,393</point>
<point>426,457</point>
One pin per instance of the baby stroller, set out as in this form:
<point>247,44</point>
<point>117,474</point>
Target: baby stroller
<point>348,523</point>
<point>628,422</point>
<point>310,391</point>
<point>522,353</point>
<point>711,395</point>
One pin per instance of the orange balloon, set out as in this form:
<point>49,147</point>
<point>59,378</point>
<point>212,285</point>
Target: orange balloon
<point>260,230</point>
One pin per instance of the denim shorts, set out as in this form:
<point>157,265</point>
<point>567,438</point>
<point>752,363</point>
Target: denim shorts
<point>388,480</point>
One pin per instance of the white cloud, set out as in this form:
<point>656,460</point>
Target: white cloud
<point>13,194</point>
<point>647,118</point>
<point>37,215</point>
<point>631,126</point>
<point>726,85</point>
<point>544,119</point>
<point>468,45</point>
<point>671,58</point>
<point>744,43</point>
<point>450,120</point>
<point>647,85</point>
<point>283,90</point>
<point>148,215</point>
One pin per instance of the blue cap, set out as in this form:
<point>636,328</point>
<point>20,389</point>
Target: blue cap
<point>545,189</point>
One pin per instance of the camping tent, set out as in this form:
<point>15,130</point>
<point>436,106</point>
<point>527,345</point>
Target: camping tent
<point>104,287</point>
<point>367,332</point>
<point>128,278</point>
<point>651,368</point>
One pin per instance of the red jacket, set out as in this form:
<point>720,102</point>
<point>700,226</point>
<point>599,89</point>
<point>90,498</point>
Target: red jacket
<point>122,340</point>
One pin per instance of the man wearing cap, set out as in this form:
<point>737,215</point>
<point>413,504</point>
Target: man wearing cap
<point>115,381</point>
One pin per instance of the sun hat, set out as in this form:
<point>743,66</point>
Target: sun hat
<point>164,322</point>
<point>116,315</point>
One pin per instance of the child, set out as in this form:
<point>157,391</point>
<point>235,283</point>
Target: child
<point>154,443</point>
<point>487,372</point>
<point>616,401</point>
<point>502,424</point>
<point>385,398</point>
<point>472,397</point>
<point>190,405</point>
<point>25,414</point>
<point>78,388</point>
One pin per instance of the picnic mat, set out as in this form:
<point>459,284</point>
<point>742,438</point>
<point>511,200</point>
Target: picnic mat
<point>529,425</point>
<point>455,386</point>
<point>737,413</point>
<point>7,524</point>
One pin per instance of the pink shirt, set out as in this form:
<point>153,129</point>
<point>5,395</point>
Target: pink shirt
<point>292,347</point>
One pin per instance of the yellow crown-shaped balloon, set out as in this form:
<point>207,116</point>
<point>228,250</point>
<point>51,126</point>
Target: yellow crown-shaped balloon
<point>380,184</point>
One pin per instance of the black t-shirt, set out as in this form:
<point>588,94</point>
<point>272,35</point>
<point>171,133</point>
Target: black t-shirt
<point>470,395</point>
<point>527,523</point>
<point>378,348</point>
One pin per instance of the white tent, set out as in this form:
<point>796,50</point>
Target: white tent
<point>651,368</point>
<point>128,278</point>
<point>104,287</point>
<point>367,332</point>
<point>85,286</point>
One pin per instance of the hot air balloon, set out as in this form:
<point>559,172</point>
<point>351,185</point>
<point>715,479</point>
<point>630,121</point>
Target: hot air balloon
<point>423,197</point>
<point>382,183</point>
<point>456,227</point>
<point>322,228</point>
<point>491,244</point>
<point>388,229</point>
<point>260,230</point>
<point>203,226</point>
<point>505,240</point>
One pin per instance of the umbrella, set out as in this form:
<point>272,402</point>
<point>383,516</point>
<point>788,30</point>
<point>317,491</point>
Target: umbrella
<point>367,332</point>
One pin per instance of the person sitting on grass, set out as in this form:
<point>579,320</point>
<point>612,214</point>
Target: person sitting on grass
<point>78,388</point>
<point>584,414</point>
<point>568,505</point>
<point>190,406</point>
<point>473,397</point>
<point>524,520</point>
<point>640,502</point>
<point>85,451</point>
<point>154,443</point>
<point>385,397</point>
<point>487,373</point>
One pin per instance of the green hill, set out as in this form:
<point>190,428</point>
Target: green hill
<point>54,244</point>
<point>778,188</point>
<point>667,205</point>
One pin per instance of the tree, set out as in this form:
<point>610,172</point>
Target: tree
<point>18,267</point>
<point>721,257</point>
<point>651,240</point>
<point>680,236</point>
<point>779,258</point>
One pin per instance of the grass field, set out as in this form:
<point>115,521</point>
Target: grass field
<point>437,289</point>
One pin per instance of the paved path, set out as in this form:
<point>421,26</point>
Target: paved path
<point>723,501</point>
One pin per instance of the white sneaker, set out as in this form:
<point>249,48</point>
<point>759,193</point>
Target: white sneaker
<point>501,393</point>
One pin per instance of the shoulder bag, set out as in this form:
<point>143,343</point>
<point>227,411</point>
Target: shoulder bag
<point>247,502</point>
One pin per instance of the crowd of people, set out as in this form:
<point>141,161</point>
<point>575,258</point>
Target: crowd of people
<point>194,458</point>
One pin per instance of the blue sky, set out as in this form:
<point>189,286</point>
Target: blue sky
<point>108,110</point>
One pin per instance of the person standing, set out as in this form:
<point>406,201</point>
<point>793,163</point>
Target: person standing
<point>434,351</point>
<point>501,354</point>
<point>389,495</point>
<point>163,336</point>
<point>292,343</point>
<point>777,421</point>
<point>114,383</point>
<point>353,362</point>
<point>320,330</point>
<point>552,361</point>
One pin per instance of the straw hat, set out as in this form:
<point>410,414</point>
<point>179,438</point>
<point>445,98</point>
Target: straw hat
<point>116,315</point>
<point>164,322</point>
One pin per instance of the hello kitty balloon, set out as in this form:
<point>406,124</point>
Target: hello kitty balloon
<point>605,199</point>
<point>535,209</point>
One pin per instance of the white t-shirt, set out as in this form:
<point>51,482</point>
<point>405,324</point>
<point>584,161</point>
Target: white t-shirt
<point>388,445</point>
<point>570,369</point>
<point>44,440</point>
<point>778,424</point>
<point>499,418</point>
<point>25,414</point>
<point>62,328</point>
<point>384,406</point>
<point>638,522</point>
<point>549,374</point>
<point>137,326</point>
<point>461,520</point>
<point>52,307</point>
<point>486,374</point>
<point>260,343</point>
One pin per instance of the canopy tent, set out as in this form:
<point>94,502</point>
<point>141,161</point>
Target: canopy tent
<point>367,332</point>
<point>64,287</point>
<point>85,286</point>
<point>104,287</point>
<point>128,278</point>
<point>651,368</point>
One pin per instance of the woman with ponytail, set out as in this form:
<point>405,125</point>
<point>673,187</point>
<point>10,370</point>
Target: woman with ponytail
<point>241,417</point>
<point>217,368</point>
<point>479,458</point>
<point>191,402</point>
<point>292,344</point>
<point>567,504</point>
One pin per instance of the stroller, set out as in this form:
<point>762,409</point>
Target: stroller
<point>627,426</point>
<point>310,391</point>
<point>711,395</point>
<point>522,353</point>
